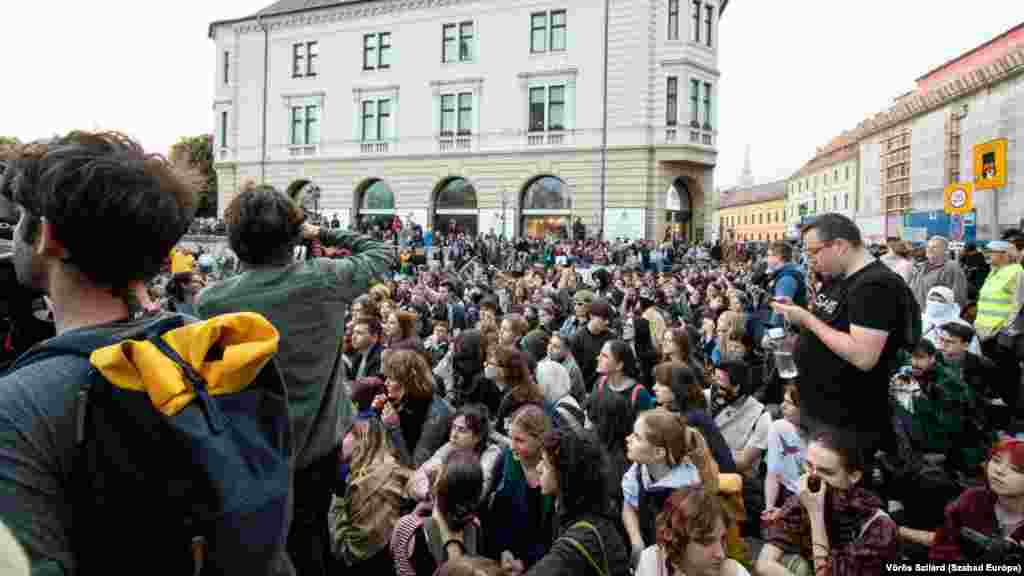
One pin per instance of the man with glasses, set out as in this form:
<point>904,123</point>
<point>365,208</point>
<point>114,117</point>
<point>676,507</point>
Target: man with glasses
<point>939,270</point>
<point>848,346</point>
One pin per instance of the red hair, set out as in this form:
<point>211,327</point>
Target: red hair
<point>1013,448</point>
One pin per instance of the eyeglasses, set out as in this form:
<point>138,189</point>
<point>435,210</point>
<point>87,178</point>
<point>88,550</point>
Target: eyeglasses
<point>808,250</point>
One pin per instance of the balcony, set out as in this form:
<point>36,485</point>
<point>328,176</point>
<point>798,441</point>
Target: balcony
<point>301,151</point>
<point>453,143</point>
<point>535,139</point>
<point>373,147</point>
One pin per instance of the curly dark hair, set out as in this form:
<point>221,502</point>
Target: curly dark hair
<point>95,190</point>
<point>264,225</point>
<point>477,420</point>
<point>458,488</point>
<point>583,472</point>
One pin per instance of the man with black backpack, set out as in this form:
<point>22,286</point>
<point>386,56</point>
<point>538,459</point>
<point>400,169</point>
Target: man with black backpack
<point>116,453</point>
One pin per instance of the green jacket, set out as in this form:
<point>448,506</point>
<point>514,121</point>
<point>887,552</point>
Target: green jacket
<point>306,301</point>
<point>943,419</point>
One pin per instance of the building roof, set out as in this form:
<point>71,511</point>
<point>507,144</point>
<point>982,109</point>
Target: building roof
<point>972,51</point>
<point>753,194</point>
<point>282,7</point>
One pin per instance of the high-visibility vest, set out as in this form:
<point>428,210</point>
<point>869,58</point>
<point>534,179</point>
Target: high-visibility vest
<point>996,301</point>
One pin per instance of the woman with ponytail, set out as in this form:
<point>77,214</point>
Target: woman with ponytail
<point>667,454</point>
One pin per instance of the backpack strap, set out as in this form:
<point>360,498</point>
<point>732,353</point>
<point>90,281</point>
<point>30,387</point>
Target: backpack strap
<point>583,549</point>
<point>635,395</point>
<point>877,515</point>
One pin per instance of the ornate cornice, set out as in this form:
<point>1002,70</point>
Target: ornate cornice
<point>691,63</point>
<point>342,13</point>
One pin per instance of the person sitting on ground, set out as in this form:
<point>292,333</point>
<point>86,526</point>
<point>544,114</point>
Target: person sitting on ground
<point>470,430</point>
<point>416,417</point>
<point>511,374</point>
<point>362,518</point>
<point>742,418</point>
<point>979,373</point>
<point>558,351</point>
<point>832,525</point>
<point>787,451</point>
<point>365,359</point>
<point>676,390</point>
<point>520,518</point>
<point>690,540</point>
<point>666,454</point>
<point>574,471</point>
<point>553,380</point>
<point>418,545</point>
<point>995,510</point>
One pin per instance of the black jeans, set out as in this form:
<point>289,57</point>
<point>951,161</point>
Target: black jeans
<point>308,539</point>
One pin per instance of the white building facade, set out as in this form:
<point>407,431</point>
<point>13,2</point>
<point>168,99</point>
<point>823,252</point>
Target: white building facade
<point>478,114</point>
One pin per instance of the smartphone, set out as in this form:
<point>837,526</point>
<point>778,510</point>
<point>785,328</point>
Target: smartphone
<point>814,484</point>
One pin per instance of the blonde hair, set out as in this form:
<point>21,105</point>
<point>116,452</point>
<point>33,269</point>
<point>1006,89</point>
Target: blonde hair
<point>671,431</point>
<point>532,420</point>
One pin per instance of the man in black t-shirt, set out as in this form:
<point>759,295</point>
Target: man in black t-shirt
<point>848,345</point>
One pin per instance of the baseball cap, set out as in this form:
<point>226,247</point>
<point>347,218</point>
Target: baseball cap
<point>584,296</point>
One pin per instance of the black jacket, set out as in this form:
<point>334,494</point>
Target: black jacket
<point>564,558</point>
<point>585,347</point>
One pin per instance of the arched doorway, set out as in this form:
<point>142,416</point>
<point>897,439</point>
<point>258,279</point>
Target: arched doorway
<point>455,207</point>
<point>546,208</point>
<point>305,193</point>
<point>678,209</point>
<point>375,208</point>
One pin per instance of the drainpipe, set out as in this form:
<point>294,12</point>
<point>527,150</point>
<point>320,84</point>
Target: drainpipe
<point>266,79</point>
<point>604,123</point>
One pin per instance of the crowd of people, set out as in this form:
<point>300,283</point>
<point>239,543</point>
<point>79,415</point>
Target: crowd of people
<point>325,403</point>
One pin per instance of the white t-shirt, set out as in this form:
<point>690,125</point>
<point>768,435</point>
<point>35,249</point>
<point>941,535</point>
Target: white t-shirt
<point>653,564</point>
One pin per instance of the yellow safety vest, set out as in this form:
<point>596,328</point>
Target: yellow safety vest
<point>997,300</point>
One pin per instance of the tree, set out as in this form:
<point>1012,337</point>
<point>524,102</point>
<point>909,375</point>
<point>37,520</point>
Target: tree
<point>196,153</point>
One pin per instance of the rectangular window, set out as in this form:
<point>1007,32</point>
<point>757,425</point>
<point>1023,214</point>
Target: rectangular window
<point>227,68</point>
<point>537,109</point>
<point>556,108</point>
<point>673,19</point>
<point>466,42</point>
<point>709,19</point>
<point>539,32</point>
<point>695,103</point>
<point>707,106</point>
<point>383,119</point>
<point>558,26</point>
<point>312,51</point>
<point>465,113</point>
<point>447,114</point>
<point>369,120</point>
<point>450,43</point>
<point>304,58</point>
<point>312,124</point>
<point>298,122</point>
<point>696,20</point>
<point>672,102</point>
<point>377,51</point>
<point>298,60</point>
<point>369,51</point>
<point>224,129</point>
<point>846,201</point>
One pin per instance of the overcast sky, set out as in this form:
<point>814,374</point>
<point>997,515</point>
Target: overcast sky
<point>795,73</point>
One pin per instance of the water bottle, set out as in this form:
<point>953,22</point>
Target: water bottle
<point>782,350</point>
